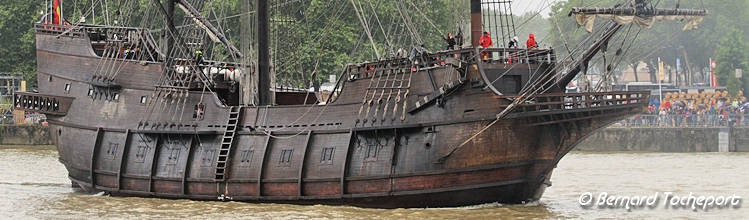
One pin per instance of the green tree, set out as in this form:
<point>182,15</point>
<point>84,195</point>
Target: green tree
<point>730,55</point>
<point>17,48</point>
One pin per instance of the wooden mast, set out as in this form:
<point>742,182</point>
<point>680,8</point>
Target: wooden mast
<point>263,53</point>
<point>476,24</point>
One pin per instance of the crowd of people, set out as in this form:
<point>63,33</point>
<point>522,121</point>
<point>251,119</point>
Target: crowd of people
<point>694,109</point>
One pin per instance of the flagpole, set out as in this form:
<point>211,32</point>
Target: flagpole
<point>660,80</point>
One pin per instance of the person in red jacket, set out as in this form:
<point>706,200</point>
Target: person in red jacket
<point>531,43</point>
<point>485,42</point>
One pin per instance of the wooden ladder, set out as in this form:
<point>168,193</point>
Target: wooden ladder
<point>227,142</point>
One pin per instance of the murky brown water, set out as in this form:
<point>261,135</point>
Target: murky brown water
<point>34,185</point>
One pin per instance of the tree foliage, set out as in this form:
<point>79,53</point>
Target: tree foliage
<point>731,54</point>
<point>17,48</point>
<point>328,34</point>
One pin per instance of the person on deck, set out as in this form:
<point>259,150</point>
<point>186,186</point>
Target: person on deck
<point>450,41</point>
<point>531,43</point>
<point>485,42</point>
<point>513,43</point>
<point>459,39</point>
<point>199,57</point>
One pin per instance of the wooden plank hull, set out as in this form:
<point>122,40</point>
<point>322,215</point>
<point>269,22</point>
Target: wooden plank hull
<point>382,152</point>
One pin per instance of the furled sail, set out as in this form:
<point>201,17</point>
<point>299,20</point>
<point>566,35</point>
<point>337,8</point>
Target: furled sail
<point>645,19</point>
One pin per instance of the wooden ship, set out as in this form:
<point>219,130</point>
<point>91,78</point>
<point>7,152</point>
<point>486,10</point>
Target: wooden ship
<point>433,129</point>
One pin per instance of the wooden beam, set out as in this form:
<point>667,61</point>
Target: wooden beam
<point>345,162</point>
<point>186,164</point>
<point>301,167</point>
<point>154,161</point>
<point>122,158</point>
<point>94,152</point>
<point>262,165</point>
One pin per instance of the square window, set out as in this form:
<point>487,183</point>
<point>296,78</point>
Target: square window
<point>143,99</point>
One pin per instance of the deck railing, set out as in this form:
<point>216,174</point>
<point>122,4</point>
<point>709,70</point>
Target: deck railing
<point>571,101</point>
<point>450,57</point>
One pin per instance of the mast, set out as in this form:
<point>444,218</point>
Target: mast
<point>263,53</point>
<point>476,24</point>
<point>170,26</point>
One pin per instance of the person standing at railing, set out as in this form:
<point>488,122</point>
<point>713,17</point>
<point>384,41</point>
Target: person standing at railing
<point>459,39</point>
<point>486,42</point>
<point>450,41</point>
<point>511,57</point>
<point>513,43</point>
<point>662,116</point>
<point>531,43</point>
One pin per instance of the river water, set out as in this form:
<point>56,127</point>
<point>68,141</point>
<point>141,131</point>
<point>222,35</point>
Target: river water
<point>33,185</point>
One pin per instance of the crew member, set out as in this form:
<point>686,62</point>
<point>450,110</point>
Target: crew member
<point>513,43</point>
<point>531,43</point>
<point>450,41</point>
<point>485,41</point>
<point>459,39</point>
<point>199,56</point>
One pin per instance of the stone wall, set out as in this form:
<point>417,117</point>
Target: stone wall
<point>25,135</point>
<point>739,139</point>
<point>664,140</point>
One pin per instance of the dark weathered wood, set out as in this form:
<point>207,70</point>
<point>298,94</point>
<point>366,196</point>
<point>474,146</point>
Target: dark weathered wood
<point>123,159</point>
<point>262,164</point>
<point>94,155</point>
<point>345,162</point>
<point>301,167</point>
<point>154,162</point>
<point>187,164</point>
<point>366,169</point>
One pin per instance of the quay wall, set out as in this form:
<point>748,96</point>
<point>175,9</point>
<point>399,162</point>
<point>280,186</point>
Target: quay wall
<point>651,139</point>
<point>25,135</point>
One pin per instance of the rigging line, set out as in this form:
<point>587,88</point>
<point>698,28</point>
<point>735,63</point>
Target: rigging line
<point>630,46</point>
<point>512,18</point>
<point>366,30</point>
<point>427,18</point>
<point>544,8</point>
<point>569,56</point>
<point>379,23</point>
<point>500,26</point>
<point>407,23</point>
<point>561,34</point>
<point>330,97</point>
<point>606,70</point>
<point>324,108</point>
<point>524,96</point>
